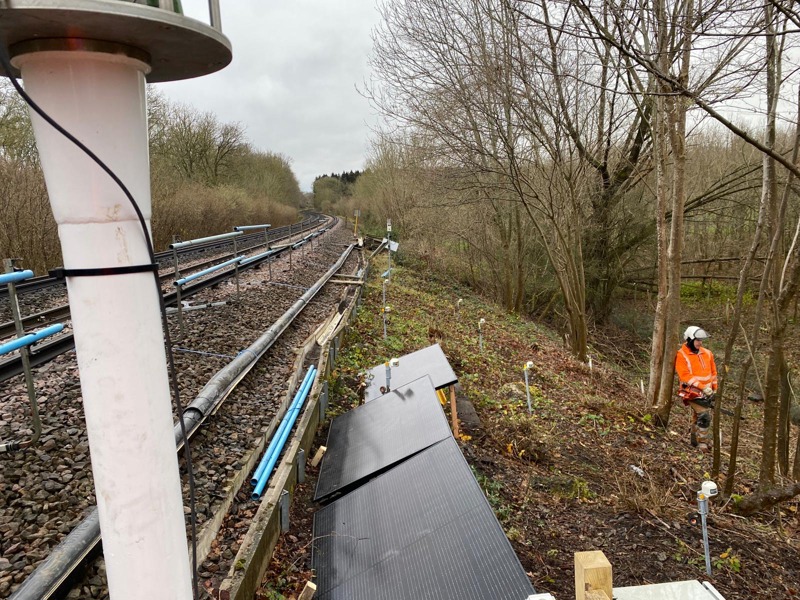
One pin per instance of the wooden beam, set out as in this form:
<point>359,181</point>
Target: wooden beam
<point>592,575</point>
<point>308,592</point>
<point>454,411</point>
<point>318,456</point>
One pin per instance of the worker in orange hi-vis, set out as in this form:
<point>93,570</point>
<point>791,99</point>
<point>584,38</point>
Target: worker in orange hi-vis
<point>698,375</point>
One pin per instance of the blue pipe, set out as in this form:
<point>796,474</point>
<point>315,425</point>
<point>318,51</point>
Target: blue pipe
<point>31,338</point>
<point>276,436</point>
<point>15,276</point>
<point>186,280</point>
<point>262,482</point>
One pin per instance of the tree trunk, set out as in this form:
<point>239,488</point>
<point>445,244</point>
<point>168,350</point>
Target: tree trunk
<point>796,467</point>
<point>737,420</point>
<point>783,425</point>
<point>766,499</point>
<point>766,475</point>
<point>772,274</point>
<point>658,349</point>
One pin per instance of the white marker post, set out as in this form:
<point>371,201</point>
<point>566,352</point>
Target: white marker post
<point>528,367</point>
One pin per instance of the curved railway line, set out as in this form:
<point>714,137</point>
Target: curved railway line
<point>48,491</point>
<point>44,301</point>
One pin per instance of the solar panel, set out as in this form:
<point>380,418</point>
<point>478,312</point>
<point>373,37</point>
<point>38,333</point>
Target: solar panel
<point>423,530</point>
<point>377,435</point>
<point>429,361</point>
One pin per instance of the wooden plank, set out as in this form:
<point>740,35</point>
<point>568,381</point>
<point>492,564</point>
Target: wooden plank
<point>318,456</point>
<point>454,411</point>
<point>592,574</point>
<point>308,592</point>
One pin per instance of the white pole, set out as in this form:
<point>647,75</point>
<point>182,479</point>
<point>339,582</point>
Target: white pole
<point>100,98</point>
<point>528,366</point>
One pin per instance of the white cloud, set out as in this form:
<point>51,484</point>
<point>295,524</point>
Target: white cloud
<point>292,82</point>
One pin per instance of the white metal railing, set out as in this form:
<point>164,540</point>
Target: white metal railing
<point>214,14</point>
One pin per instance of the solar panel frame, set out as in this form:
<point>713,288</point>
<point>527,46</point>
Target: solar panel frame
<point>429,361</point>
<point>375,436</point>
<point>422,530</point>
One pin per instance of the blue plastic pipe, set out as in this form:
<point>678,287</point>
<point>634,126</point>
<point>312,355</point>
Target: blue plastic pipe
<point>15,277</point>
<point>292,416</point>
<point>276,436</point>
<point>31,338</point>
<point>186,280</point>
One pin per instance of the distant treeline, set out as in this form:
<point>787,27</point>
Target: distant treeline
<point>329,190</point>
<point>206,177</point>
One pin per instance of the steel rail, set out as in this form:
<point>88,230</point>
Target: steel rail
<point>60,312</point>
<point>44,281</point>
<point>47,351</point>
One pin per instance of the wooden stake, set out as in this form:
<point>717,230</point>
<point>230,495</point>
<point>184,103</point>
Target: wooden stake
<point>318,456</point>
<point>454,410</point>
<point>592,575</point>
<point>308,592</point>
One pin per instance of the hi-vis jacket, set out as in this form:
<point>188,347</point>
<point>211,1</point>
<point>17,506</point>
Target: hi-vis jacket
<point>698,369</point>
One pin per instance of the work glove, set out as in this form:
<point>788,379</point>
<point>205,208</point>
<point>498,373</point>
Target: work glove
<point>708,391</point>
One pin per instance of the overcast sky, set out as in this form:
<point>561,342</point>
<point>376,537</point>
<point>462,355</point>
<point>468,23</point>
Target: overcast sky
<point>292,82</point>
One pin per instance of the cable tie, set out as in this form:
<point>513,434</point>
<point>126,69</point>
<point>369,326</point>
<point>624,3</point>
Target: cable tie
<point>62,273</point>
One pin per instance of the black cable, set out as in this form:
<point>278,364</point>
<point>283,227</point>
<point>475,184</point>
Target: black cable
<point>5,60</point>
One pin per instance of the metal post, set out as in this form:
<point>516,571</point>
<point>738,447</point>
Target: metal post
<point>528,365</point>
<point>291,248</point>
<point>323,401</point>
<point>702,505</point>
<point>389,248</point>
<point>388,377</point>
<point>215,16</point>
<point>236,268</point>
<point>301,466</point>
<point>480,334</point>
<point>389,243</point>
<point>8,263</point>
<point>175,256</point>
<point>180,311</point>
<point>385,308</point>
<point>284,502</point>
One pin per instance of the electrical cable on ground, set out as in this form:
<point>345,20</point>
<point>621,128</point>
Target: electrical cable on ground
<point>5,62</point>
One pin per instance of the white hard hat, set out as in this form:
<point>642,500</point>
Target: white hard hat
<point>694,333</point>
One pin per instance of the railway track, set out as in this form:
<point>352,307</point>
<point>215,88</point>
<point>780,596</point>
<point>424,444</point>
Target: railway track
<point>165,259</point>
<point>12,366</point>
<point>48,491</point>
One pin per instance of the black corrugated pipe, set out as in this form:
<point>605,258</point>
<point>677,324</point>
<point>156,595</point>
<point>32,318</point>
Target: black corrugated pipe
<point>64,558</point>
